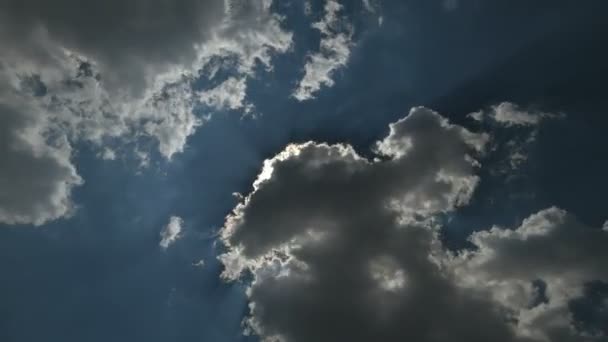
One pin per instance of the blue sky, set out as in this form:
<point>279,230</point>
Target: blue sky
<point>100,273</point>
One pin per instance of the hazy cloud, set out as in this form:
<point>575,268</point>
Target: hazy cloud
<point>509,114</point>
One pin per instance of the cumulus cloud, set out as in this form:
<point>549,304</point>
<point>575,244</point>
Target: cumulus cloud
<point>171,232</point>
<point>334,52</point>
<point>550,246</point>
<point>345,248</point>
<point>122,72</point>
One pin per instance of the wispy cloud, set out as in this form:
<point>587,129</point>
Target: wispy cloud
<point>334,52</point>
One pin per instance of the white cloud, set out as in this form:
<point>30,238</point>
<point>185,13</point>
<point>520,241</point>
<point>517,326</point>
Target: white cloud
<point>344,248</point>
<point>334,52</point>
<point>171,232</point>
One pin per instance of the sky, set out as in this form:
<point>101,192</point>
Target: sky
<point>288,171</point>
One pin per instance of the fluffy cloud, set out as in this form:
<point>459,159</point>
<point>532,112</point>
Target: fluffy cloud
<point>171,232</point>
<point>116,72</point>
<point>550,246</point>
<point>344,248</point>
<point>334,52</point>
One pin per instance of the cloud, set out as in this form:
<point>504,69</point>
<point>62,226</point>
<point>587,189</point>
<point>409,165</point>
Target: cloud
<point>230,94</point>
<point>518,129</point>
<point>171,232</point>
<point>107,79</point>
<point>199,264</point>
<point>373,7</point>
<point>340,246</point>
<point>117,72</point>
<point>334,52</point>
<point>126,40</point>
<point>108,154</point>
<point>370,6</point>
<point>36,178</point>
<point>551,246</point>
<point>345,248</point>
<point>509,114</point>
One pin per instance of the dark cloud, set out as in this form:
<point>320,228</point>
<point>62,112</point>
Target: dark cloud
<point>94,72</point>
<point>343,248</point>
<point>126,39</point>
<point>36,179</point>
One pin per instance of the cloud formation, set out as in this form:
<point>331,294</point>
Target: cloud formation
<point>344,248</point>
<point>550,246</point>
<point>171,232</point>
<point>516,130</point>
<point>36,178</point>
<point>334,52</point>
<point>509,114</point>
<point>116,73</point>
